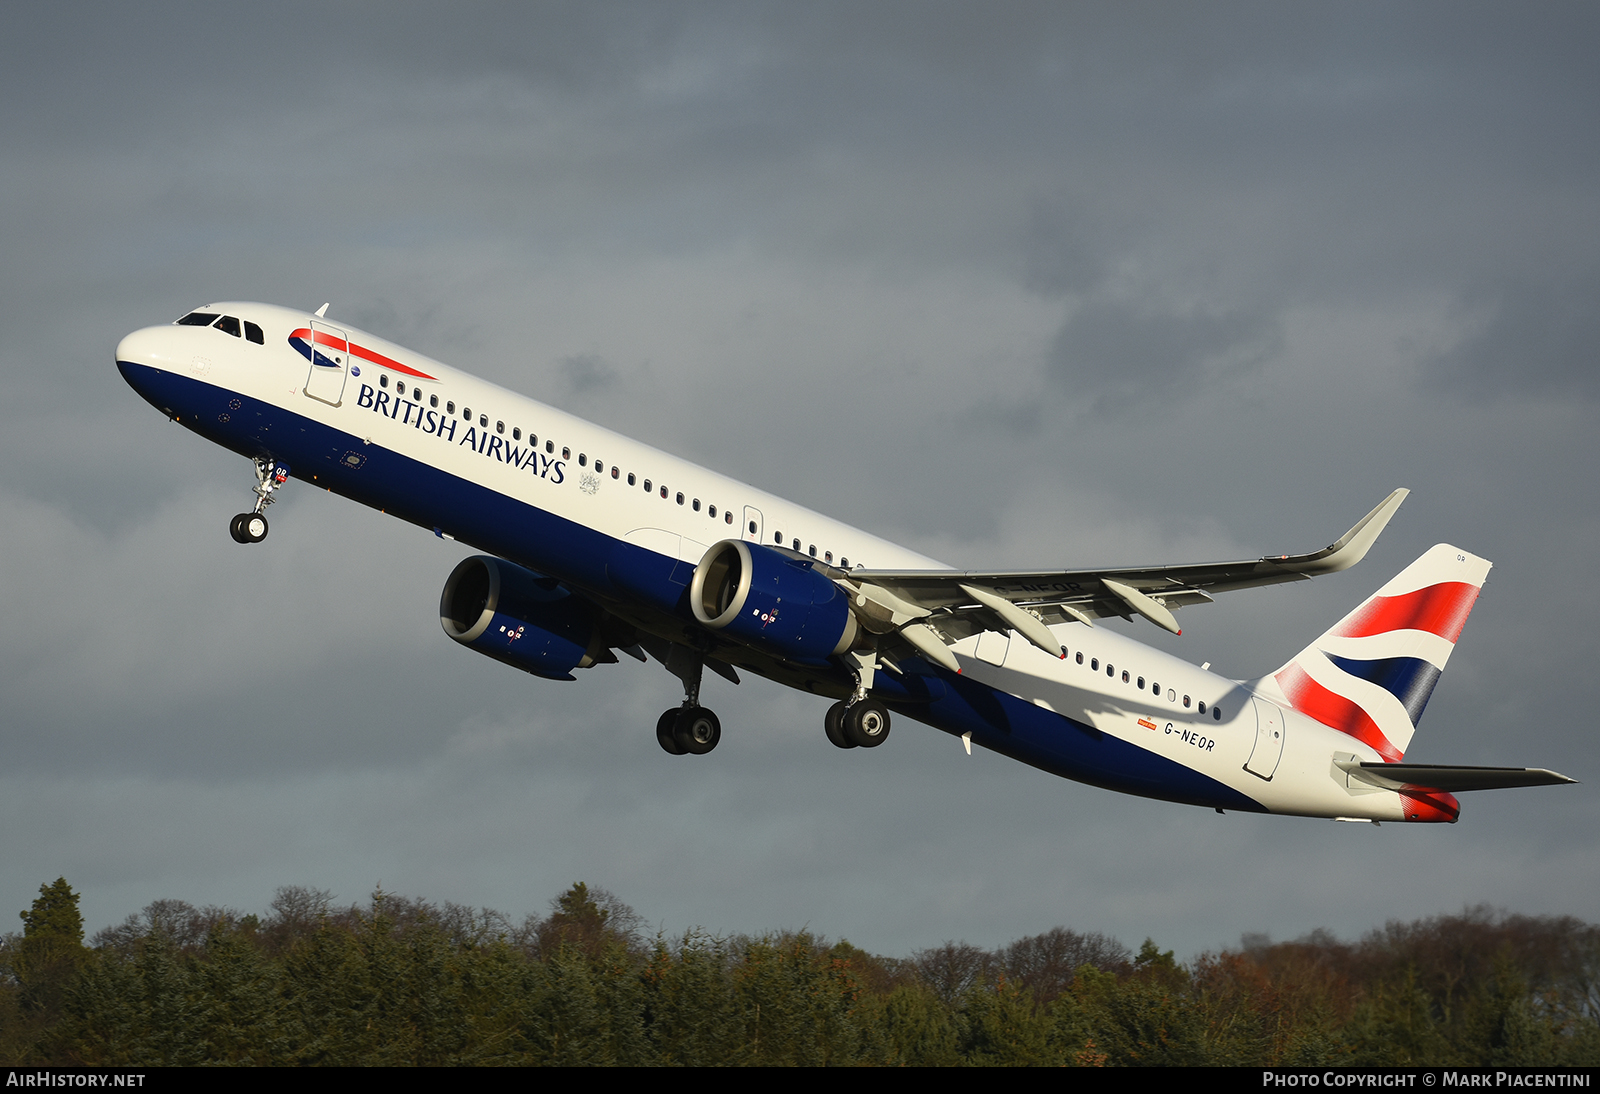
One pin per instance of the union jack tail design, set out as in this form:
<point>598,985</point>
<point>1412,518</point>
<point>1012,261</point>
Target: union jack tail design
<point>1371,674</point>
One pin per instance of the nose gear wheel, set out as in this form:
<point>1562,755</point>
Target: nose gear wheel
<point>251,527</point>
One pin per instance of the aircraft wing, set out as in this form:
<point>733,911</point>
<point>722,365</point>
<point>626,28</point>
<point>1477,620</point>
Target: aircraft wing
<point>959,603</point>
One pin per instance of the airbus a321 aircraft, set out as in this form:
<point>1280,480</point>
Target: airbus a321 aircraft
<point>598,544</point>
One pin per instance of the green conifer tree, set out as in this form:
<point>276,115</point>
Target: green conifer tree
<point>51,949</point>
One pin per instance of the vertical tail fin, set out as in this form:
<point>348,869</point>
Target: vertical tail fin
<point>1371,674</point>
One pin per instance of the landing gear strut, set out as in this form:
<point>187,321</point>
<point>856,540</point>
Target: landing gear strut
<point>251,527</point>
<point>690,729</point>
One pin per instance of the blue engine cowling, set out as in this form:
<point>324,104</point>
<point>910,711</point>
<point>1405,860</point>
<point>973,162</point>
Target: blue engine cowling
<point>518,617</point>
<point>772,600</point>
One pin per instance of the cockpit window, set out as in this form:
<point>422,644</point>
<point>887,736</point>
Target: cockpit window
<point>253,333</point>
<point>228,325</point>
<point>198,319</point>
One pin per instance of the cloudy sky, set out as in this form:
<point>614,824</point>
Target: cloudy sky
<point>1014,284</point>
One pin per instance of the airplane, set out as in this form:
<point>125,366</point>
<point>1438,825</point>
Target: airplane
<point>597,544</point>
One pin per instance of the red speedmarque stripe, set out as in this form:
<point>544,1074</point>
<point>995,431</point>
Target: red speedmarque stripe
<point>1424,804</point>
<point>1315,701</point>
<point>363,352</point>
<point>1440,609</point>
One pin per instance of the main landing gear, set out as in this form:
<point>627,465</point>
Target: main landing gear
<point>857,723</point>
<point>689,730</point>
<point>251,527</point>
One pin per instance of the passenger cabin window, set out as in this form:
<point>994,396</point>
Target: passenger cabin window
<point>253,333</point>
<point>483,421</point>
<point>615,471</point>
<point>516,434</point>
<point>450,406</point>
<point>630,478</point>
<point>813,550</point>
<point>499,427</point>
<point>433,400</point>
<point>727,517</point>
<point>549,446</point>
<point>566,453</point>
<point>383,381</point>
<point>583,460</point>
<point>400,387</point>
<point>1216,714</point>
<point>695,506</point>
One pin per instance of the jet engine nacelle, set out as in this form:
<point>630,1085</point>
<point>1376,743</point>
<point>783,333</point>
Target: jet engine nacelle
<point>771,599</point>
<point>518,617</point>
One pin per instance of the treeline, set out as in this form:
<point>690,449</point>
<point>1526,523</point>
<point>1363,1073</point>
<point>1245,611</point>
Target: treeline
<point>401,981</point>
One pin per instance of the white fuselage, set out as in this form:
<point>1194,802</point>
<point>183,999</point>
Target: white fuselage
<point>533,455</point>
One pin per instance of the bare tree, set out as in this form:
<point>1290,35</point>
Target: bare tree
<point>954,969</point>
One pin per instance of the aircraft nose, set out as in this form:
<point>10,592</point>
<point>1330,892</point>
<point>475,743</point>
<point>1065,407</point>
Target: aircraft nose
<point>142,347</point>
<point>143,356</point>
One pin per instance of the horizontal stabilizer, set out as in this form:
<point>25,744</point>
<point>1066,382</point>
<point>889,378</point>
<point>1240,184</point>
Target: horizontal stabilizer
<point>1449,777</point>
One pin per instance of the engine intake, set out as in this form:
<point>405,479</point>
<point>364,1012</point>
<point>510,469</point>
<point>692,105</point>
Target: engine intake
<point>516,616</point>
<point>771,599</point>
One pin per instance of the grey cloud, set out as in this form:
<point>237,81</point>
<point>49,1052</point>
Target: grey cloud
<point>1530,337</point>
<point>587,373</point>
<point>1121,356</point>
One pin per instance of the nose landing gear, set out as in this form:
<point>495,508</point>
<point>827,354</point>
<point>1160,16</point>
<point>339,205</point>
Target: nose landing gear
<point>251,527</point>
<point>248,528</point>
